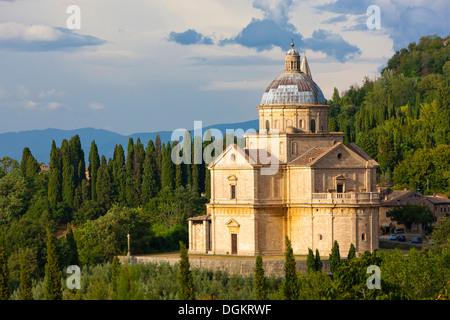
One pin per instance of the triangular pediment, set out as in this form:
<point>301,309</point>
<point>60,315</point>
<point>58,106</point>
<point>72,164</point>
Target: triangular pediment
<point>232,224</point>
<point>341,156</point>
<point>232,157</point>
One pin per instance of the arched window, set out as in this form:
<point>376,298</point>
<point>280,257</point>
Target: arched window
<point>294,148</point>
<point>300,123</point>
<point>267,126</point>
<point>313,125</point>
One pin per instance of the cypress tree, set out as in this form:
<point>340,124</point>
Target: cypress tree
<point>310,262</point>
<point>52,284</point>
<point>129,168</point>
<point>187,156</point>
<point>138,163</point>
<point>5,290</point>
<point>32,166</point>
<point>25,292</point>
<point>351,252</point>
<point>179,167</point>
<point>119,175</point>
<point>74,260</point>
<point>77,159</point>
<point>103,186</point>
<point>94,164</point>
<point>23,164</point>
<point>168,173</point>
<point>290,283</point>
<point>260,280</point>
<point>178,175</point>
<point>150,180</point>
<point>317,263</point>
<point>158,148</point>
<point>130,158</point>
<point>55,181</point>
<point>68,174</point>
<point>335,258</point>
<point>185,281</point>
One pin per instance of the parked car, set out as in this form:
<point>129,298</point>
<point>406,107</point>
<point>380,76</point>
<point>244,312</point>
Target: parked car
<point>392,237</point>
<point>417,240</point>
<point>401,238</point>
<point>399,230</point>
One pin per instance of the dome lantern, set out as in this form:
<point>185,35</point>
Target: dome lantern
<point>292,60</point>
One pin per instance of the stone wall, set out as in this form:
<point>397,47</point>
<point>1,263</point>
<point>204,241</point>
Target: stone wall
<point>242,267</point>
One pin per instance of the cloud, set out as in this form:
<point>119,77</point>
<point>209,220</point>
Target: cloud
<point>332,44</point>
<point>264,35</point>
<point>30,105</point>
<point>339,18</point>
<point>54,105</point>
<point>274,30</point>
<point>48,93</point>
<point>404,21</point>
<point>96,106</point>
<point>188,37</point>
<point>274,10</point>
<point>19,37</point>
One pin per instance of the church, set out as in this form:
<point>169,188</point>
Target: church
<point>293,178</point>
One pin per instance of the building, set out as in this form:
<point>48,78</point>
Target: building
<point>293,178</point>
<point>390,199</point>
<point>395,198</point>
<point>440,206</point>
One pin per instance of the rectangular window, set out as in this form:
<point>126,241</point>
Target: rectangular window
<point>340,188</point>
<point>233,192</point>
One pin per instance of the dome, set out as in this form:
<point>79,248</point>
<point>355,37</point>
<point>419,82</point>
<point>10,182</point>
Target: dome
<point>293,88</point>
<point>293,52</point>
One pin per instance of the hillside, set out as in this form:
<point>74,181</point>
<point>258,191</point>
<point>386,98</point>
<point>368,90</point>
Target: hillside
<point>402,119</point>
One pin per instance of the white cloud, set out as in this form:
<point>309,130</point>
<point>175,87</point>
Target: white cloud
<point>13,30</point>
<point>96,106</point>
<point>30,105</point>
<point>54,105</point>
<point>48,93</point>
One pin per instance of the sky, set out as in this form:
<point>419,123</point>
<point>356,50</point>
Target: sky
<point>150,65</point>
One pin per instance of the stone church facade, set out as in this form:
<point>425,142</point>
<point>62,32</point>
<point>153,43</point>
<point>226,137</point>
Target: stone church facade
<point>293,178</point>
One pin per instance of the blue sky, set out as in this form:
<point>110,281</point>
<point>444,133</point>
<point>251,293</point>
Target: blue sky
<point>150,65</point>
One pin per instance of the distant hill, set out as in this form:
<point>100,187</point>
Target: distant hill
<point>40,141</point>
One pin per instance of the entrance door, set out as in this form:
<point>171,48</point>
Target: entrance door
<point>340,188</point>
<point>233,243</point>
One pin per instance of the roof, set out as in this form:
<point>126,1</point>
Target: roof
<point>437,200</point>
<point>200,218</point>
<point>305,67</point>
<point>359,151</point>
<point>294,87</point>
<point>401,197</point>
<point>293,52</point>
<point>310,157</point>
